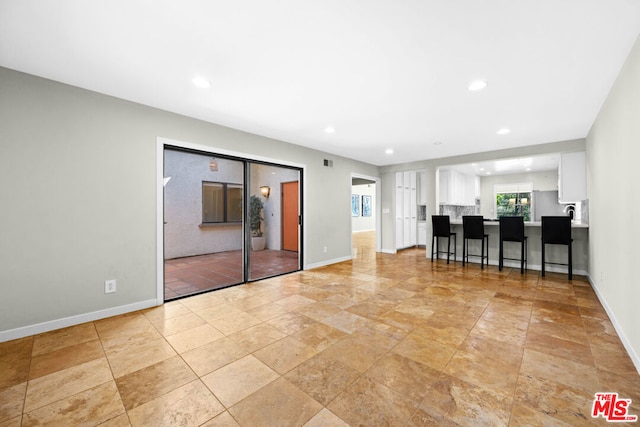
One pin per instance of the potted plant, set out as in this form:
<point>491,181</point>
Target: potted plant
<point>256,206</point>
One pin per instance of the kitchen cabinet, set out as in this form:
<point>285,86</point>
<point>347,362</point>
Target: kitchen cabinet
<point>422,234</point>
<point>572,177</point>
<point>457,188</point>
<point>406,209</point>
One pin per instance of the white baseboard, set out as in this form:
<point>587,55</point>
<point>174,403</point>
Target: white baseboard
<point>635,358</point>
<point>389,251</point>
<point>327,262</point>
<point>65,322</point>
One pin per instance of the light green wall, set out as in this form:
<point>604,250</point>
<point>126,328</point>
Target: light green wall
<point>613,150</point>
<point>78,197</point>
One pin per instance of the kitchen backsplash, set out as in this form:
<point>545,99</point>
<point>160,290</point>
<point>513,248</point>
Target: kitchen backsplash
<point>456,212</point>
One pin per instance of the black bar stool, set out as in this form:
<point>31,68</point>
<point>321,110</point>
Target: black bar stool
<point>442,228</point>
<point>512,230</point>
<point>473,228</point>
<point>556,230</point>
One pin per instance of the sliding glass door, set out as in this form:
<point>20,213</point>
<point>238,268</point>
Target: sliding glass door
<point>227,221</point>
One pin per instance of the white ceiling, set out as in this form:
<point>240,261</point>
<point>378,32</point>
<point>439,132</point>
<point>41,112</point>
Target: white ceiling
<point>383,73</point>
<point>517,165</point>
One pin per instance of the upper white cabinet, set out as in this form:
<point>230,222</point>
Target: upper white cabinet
<point>572,177</point>
<point>457,188</point>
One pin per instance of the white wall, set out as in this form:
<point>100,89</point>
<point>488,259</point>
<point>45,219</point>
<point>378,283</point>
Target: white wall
<point>542,181</point>
<point>364,223</point>
<point>613,150</point>
<point>78,190</point>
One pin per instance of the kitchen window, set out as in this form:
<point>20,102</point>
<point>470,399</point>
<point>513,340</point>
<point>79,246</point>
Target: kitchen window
<point>514,200</point>
<point>221,202</point>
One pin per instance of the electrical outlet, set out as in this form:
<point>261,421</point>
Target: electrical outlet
<point>109,286</point>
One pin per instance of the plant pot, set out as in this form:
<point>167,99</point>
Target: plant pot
<point>258,243</point>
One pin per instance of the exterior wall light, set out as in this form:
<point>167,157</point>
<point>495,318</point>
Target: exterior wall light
<point>265,190</point>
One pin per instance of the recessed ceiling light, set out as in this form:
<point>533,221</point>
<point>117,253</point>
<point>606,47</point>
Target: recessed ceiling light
<point>437,143</point>
<point>329,129</point>
<point>477,85</point>
<point>488,173</point>
<point>528,169</point>
<point>201,82</point>
<point>503,131</point>
<point>388,151</point>
<point>481,169</point>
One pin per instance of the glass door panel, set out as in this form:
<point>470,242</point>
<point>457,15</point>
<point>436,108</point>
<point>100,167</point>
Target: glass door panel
<point>203,223</point>
<point>274,219</point>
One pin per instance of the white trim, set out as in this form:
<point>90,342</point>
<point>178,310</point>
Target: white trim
<point>327,262</point>
<point>389,251</point>
<point>78,319</point>
<point>635,358</point>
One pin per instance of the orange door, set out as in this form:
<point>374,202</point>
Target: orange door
<point>290,216</point>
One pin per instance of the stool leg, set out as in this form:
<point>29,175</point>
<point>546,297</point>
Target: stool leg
<point>464,250</point>
<point>482,255</point>
<point>570,263</point>
<point>432,247</point>
<point>542,259</point>
<point>522,254</point>
<point>448,248</point>
<point>500,256</point>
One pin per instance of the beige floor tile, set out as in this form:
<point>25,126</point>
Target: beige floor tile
<point>268,311</point>
<point>148,383</point>
<point>175,325</point>
<point>346,322</point>
<point>294,302</point>
<point>556,399</point>
<point>257,337</point>
<point>484,371</point>
<point>215,312</point>
<point>212,356</point>
<point>126,335</point>
<point>406,376</point>
<point>235,322</point>
<point>167,311</point>
<point>322,378</point>
<point>318,310</point>
<point>62,384</point>
<point>194,338</point>
<point>222,420</point>
<point>12,402</point>
<point>285,354</point>
<point>290,323</point>
<point>15,360</point>
<point>55,340</point>
<point>237,380</point>
<point>368,403</point>
<point>319,336</point>
<point>453,400</point>
<point>354,353</point>
<point>579,376</point>
<point>134,358</point>
<point>96,405</point>
<point>326,418</point>
<point>65,357</point>
<point>431,353</point>
<point>280,403</point>
<point>119,421</point>
<point>190,405</point>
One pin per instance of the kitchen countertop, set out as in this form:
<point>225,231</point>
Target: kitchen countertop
<point>526,224</point>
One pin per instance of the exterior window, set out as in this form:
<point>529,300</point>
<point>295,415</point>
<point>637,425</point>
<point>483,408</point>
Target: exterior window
<point>221,202</point>
<point>514,200</point>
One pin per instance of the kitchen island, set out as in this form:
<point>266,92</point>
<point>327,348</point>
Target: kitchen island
<point>554,253</point>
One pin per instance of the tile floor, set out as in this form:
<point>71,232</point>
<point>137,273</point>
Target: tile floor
<point>381,340</point>
<point>195,274</point>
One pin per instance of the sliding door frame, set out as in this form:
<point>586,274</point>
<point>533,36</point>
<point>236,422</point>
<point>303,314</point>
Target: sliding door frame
<point>161,143</point>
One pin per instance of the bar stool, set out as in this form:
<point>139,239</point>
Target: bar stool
<point>556,230</point>
<point>442,228</point>
<point>512,230</point>
<point>473,228</point>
